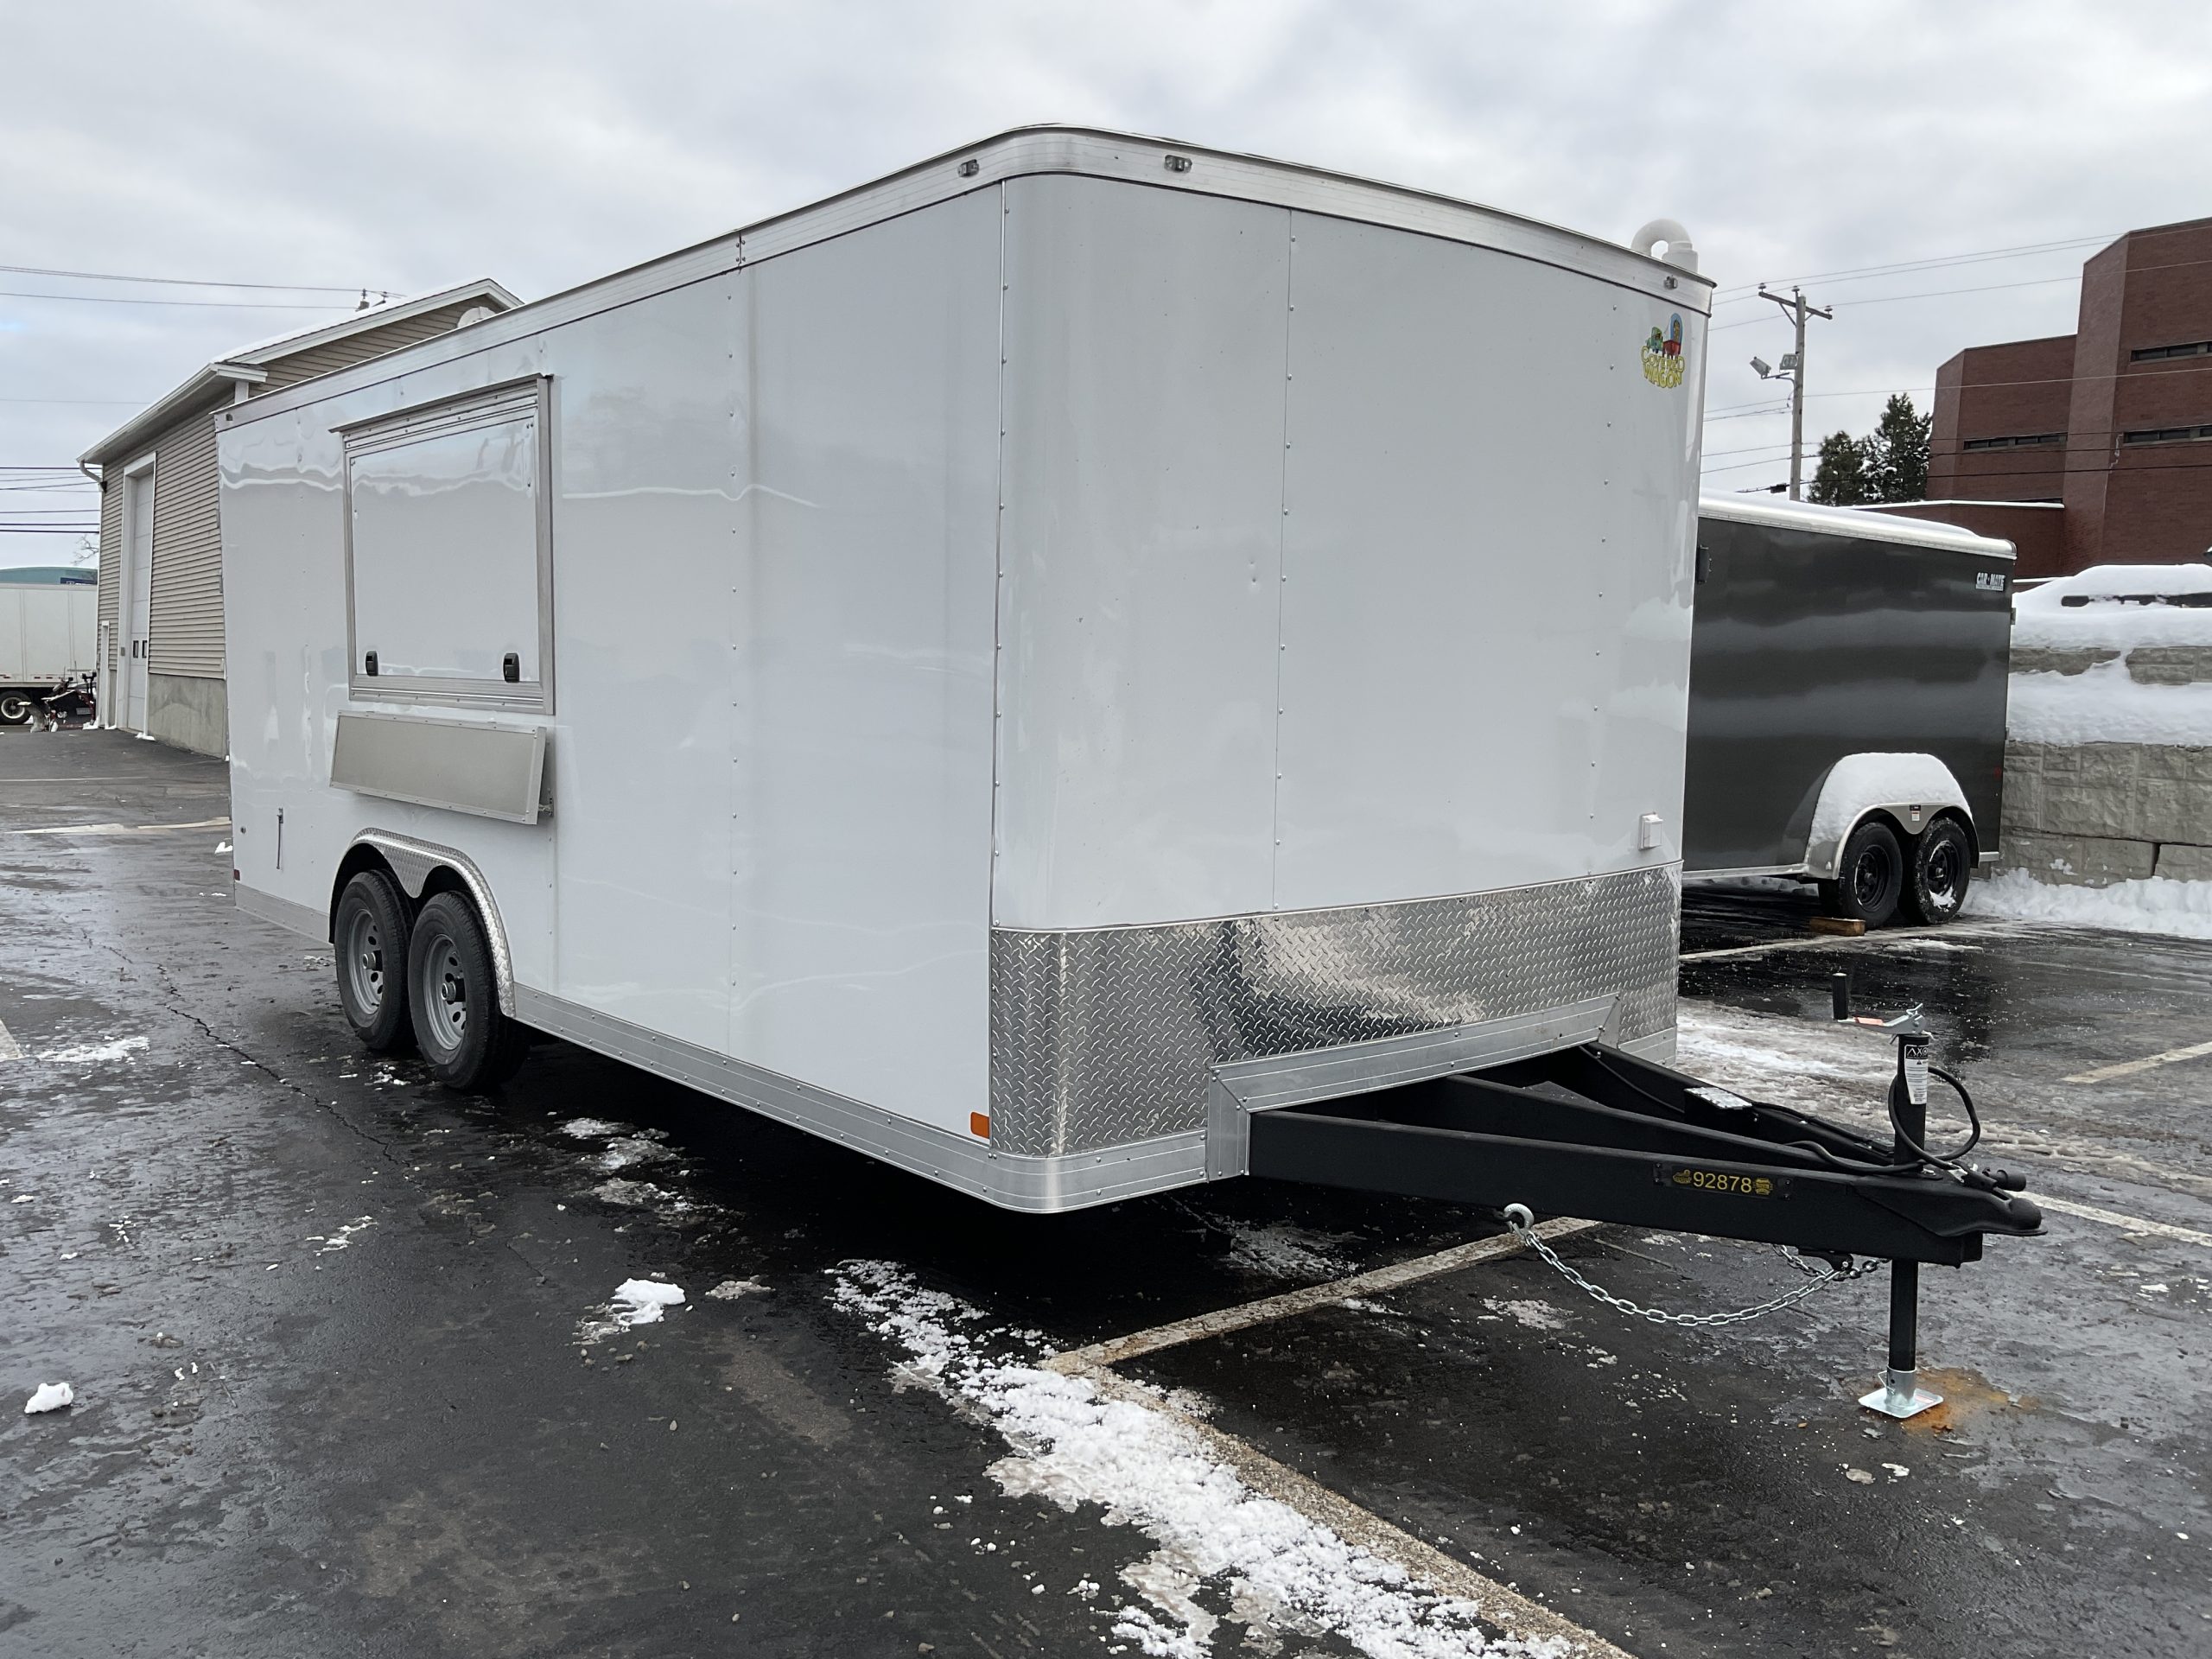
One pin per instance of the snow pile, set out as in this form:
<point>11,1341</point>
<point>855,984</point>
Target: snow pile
<point>49,1396</point>
<point>2104,703</point>
<point>1275,1568</point>
<point>635,1302</point>
<point>730,1289</point>
<point>2042,618</point>
<point>2156,905</point>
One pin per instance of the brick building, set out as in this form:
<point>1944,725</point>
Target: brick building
<point>2092,447</point>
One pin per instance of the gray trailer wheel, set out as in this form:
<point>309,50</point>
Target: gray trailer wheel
<point>468,1043</point>
<point>15,708</point>
<point>1869,877</point>
<point>369,945</point>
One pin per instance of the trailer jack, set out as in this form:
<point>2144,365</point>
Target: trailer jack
<point>1594,1132</point>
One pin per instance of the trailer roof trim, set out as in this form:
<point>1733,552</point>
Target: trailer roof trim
<point>1025,152</point>
<point>1859,522</point>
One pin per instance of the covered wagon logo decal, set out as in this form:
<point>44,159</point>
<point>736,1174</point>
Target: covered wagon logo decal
<point>1662,354</point>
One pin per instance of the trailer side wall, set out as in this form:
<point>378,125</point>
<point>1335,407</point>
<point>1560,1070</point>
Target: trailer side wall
<point>1811,646</point>
<point>773,531</point>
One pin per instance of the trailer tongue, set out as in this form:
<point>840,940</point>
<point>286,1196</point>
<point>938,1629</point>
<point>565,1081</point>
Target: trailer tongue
<point>1594,1132</point>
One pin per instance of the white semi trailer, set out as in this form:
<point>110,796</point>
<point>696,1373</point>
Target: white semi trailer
<point>1056,669</point>
<point>48,641</point>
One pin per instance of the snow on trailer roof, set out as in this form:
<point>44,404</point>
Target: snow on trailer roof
<point>1859,523</point>
<point>1024,152</point>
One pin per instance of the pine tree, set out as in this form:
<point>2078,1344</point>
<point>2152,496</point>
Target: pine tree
<point>1839,479</point>
<point>1897,455</point>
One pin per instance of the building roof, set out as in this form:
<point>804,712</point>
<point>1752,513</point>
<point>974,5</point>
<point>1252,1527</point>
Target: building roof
<point>250,364</point>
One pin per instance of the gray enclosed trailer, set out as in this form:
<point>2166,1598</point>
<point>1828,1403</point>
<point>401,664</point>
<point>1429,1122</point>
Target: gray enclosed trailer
<point>1847,720</point>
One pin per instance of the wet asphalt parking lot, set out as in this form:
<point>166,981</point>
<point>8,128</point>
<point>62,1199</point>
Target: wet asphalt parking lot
<point>350,1377</point>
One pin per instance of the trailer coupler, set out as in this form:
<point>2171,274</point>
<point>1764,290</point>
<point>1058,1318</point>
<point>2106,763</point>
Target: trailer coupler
<point>1599,1133</point>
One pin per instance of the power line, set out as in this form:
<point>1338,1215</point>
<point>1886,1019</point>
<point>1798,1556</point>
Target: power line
<point>135,401</point>
<point>1924,294</point>
<point>190,282</point>
<point>1748,290</point>
<point>222,305</point>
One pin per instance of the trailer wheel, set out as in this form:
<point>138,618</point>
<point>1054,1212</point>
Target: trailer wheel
<point>1868,877</point>
<point>15,708</point>
<point>1942,865</point>
<point>468,1043</point>
<point>369,943</point>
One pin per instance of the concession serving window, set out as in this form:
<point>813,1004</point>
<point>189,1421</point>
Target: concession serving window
<point>448,551</point>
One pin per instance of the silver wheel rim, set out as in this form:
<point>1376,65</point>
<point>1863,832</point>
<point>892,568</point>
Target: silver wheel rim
<point>445,993</point>
<point>364,959</point>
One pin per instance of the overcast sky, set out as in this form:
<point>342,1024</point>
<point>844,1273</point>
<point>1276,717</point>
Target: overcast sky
<point>408,146</point>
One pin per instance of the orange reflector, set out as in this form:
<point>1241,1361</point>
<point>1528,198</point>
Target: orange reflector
<point>980,1123</point>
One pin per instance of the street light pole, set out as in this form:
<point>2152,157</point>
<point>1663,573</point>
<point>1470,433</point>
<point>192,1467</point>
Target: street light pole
<point>1796,310</point>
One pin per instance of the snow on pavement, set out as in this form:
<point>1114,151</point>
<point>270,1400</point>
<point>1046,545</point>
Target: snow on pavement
<point>2155,904</point>
<point>635,1302</point>
<point>119,1048</point>
<point>1275,1567</point>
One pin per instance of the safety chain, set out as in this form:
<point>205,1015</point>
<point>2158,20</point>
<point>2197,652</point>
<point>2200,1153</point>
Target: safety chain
<point>1817,1281</point>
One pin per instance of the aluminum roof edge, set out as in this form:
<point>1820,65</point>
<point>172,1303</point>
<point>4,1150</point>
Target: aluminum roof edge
<point>1859,523</point>
<point>1019,153</point>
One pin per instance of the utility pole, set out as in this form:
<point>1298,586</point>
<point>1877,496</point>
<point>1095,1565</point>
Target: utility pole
<point>1793,371</point>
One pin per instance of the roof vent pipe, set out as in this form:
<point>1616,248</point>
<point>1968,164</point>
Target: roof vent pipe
<point>1681,253</point>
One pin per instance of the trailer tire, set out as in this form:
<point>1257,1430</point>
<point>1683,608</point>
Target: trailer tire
<point>458,1030</point>
<point>15,708</point>
<point>1869,877</point>
<point>369,940</point>
<point>1943,867</point>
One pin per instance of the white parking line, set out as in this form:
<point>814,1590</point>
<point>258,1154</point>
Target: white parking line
<point>2129,1068</point>
<point>1270,1308</point>
<point>1519,1616</point>
<point>2128,1223</point>
<point>125,828</point>
<point>10,1050</point>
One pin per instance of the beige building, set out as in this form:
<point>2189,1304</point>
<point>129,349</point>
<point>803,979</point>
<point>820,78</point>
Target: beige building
<point>161,610</point>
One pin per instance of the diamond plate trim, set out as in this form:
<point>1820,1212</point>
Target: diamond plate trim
<point>1110,1035</point>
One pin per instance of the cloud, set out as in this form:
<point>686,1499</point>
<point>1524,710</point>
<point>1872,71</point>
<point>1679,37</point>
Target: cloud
<point>412,144</point>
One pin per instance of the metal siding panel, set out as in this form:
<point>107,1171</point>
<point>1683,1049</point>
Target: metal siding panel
<point>359,348</point>
<point>1144,399</point>
<point>863,579</point>
<point>111,492</point>
<point>645,458</point>
<point>186,609</point>
<point>1489,530</point>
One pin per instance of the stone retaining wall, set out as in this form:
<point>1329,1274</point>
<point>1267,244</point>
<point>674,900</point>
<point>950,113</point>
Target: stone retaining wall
<point>2095,813</point>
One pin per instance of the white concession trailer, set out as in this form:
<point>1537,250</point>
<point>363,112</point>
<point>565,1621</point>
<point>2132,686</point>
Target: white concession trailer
<point>1034,669</point>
